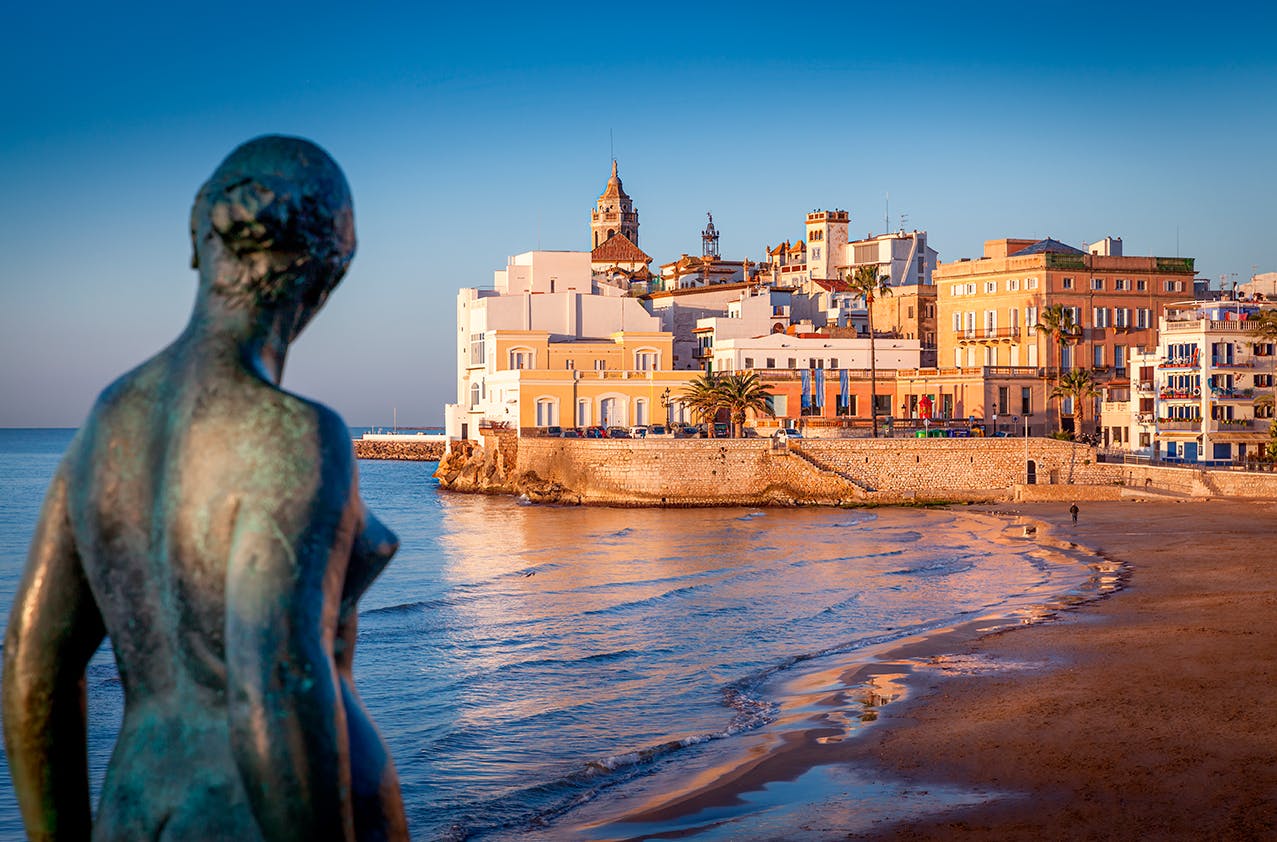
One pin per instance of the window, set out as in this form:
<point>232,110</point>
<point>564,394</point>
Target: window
<point>646,360</point>
<point>1119,357</point>
<point>1030,317</point>
<point>957,322</point>
<point>1076,314</point>
<point>1004,401</point>
<point>547,415</point>
<point>1143,317</point>
<point>793,363</point>
<point>845,407</point>
<point>957,358</point>
<point>1013,285</point>
<point>474,394</point>
<point>1121,283</point>
<point>520,358</point>
<point>990,286</point>
<point>815,253</point>
<point>1141,285</point>
<point>749,362</point>
<point>583,412</point>
<point>1101,317</point>
<point>600,365</point>
<point>640,412</point>
<point>1121,316</point>
<point>1098,356</point>
<point>771,362</point>
<point>1031,283</point>
<point>970,289</point>
<point>991,355</point>
<point>477,346</point>
<point>833,362</point>
<point>911,311</point>
<point>1066,283</point>
<point>1026,400</point>
<point>1097,284</point>
<point>1173,286</point>
<point>1066,357</point>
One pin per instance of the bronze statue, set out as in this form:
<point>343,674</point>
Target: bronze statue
<point>210,523</point>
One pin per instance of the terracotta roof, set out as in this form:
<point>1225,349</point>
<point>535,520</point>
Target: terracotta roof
<point>798,246</point>
<point>832,284</point>
<point>619,249</point>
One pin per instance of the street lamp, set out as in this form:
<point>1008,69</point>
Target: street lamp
<point>665,402</point>
<point>995,425</point>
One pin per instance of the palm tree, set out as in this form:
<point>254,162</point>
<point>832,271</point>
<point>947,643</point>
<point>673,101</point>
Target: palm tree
<point>1079,385</point>
<point>868,283</point>
<point>742,392</point>
<point>704,398</point>
<point>1263,325</point>
<point>1057,322</point>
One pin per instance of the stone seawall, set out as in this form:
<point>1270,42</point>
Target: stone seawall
<point>709,472</point>
<point>407,451</point>
<point>752,472</point>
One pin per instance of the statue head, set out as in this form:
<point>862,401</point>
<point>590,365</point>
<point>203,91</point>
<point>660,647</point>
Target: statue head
<point>273,227</point>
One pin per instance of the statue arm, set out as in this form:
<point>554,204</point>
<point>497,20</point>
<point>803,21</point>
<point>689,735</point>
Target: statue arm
<point>287,719</point>
<point>54,629</point>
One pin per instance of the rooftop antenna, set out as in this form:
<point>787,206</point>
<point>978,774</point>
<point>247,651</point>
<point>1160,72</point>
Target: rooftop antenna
<point>611,147</point>
<point>904,220</point>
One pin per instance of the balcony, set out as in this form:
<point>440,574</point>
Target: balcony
<point>1144,387</point>
<point>1178,362</point>
<point>1179,424</point>
<point>1239,425</point>
<point>1215,363</point>
<point>987,334</point>
<point>1232,394</point>
<point>1180,394</point>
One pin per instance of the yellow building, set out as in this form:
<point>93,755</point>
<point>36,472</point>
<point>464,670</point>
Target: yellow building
<point>622,381</point>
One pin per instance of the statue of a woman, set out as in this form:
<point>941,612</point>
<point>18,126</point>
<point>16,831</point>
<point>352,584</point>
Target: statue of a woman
<point>210,523</point>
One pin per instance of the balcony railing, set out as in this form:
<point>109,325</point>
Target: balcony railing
<point>1144,387</point>
<point>1238,425</point>
<point>1179,423</point>
<point>975,334</point>
<point>1180,394</point>
<point>1214,363</point>
<point>1232,394</point>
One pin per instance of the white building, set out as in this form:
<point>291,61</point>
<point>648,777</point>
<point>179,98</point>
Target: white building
<point>783,351</point>
<point>544,293</point>
<point>904,257</point>
<point>1205,394</point>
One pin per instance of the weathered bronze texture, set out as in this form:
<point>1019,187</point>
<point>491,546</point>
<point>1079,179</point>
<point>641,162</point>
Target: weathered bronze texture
<point>210,523</point>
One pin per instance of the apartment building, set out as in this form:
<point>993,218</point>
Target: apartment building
<point>988,308</point>
<point>1205,394</point>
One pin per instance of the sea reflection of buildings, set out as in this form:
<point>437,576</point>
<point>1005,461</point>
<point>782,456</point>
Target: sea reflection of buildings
<point>574,339</point>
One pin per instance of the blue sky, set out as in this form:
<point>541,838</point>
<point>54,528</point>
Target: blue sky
<point>470,132</point>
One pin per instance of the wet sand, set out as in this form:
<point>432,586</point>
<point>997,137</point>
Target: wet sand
<point>1149,714</point>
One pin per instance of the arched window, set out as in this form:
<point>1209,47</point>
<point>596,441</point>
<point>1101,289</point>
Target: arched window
<point>522,358</point>
<point>647,359</point>
<point>640,412</point>
<point>474,394</point>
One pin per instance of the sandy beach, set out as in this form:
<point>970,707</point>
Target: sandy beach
<point>1149,714</point>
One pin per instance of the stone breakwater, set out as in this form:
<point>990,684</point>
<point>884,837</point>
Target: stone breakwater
<point>831,472</point>
<point>405,451</point>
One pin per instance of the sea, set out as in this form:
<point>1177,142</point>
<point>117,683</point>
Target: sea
<point>530,665</point>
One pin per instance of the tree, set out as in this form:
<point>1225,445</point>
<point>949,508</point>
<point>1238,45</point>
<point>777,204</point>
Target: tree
<point>1057,322</point>
<point>866,282</point>
<point>1079,385</point>
<point>1263,325</point>
<point>704,398</point>
<point>740,393</point>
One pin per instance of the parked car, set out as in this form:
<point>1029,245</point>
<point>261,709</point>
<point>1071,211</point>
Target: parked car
<point>786,433</point>
<point>595,433</point>
<point>660,431</point>
<point>721,431</point>
<point>618,433</point>
<point>687,431</point>
<point>553,431</point>
<point>638,432</point>
<point>571,434</point>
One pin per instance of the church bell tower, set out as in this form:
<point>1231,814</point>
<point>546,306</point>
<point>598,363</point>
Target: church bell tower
<point>614,213</point>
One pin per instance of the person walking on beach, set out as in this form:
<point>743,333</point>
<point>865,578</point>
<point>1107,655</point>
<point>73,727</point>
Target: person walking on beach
<point>1073,510</point>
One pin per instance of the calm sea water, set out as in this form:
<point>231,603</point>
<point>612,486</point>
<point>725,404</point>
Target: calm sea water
<point>523,661</point>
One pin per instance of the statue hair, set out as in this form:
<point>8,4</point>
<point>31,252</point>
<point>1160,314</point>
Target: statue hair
<point>280,205</point>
